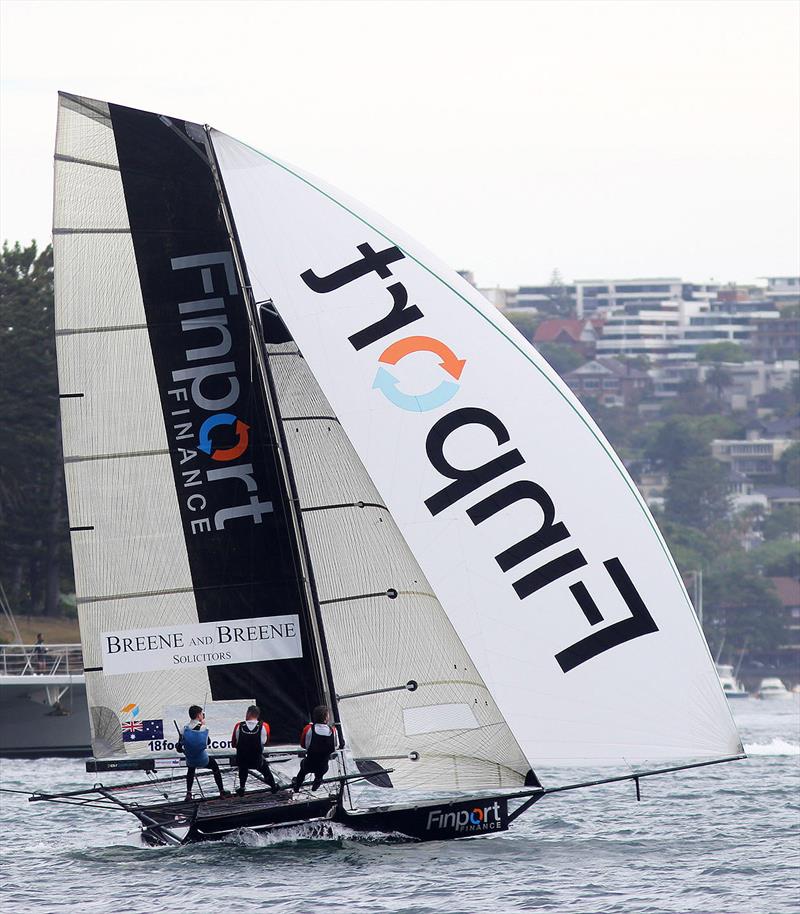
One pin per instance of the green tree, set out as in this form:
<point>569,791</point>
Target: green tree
<point>789,465</point>
<point>559,304</point>
<point>525,321</point>
<point>676,441</point>
<point>742,609</point>
<point>33,535</point>
<point>697,494</point>
<point>778,558</point>
<point>719,378</point>
<point>562,358</point>
<point>781,523</point>
<point>725,351</point>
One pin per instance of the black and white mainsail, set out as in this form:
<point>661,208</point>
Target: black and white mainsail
<point>306,462</point>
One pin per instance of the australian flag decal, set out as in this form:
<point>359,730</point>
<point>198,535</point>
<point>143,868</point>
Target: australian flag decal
<point>134,731</point>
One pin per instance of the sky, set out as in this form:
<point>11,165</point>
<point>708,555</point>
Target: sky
<point>602,139</point>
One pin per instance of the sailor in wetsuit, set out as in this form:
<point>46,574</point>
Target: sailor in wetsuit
<point>195,749</point>
<point>319,740</point>
<point>250,736</point>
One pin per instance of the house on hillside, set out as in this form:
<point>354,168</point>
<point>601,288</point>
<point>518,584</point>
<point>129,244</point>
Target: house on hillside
<point>788,590</point>
<point>579,335</point>
<point>610,381</point>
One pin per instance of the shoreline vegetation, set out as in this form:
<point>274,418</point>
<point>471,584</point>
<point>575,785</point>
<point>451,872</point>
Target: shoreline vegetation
<point>739,553</point>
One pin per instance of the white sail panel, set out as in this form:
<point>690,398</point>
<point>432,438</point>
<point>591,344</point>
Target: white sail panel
<point>127,536</point>
<point>383,625</point>
<point>524,521</point>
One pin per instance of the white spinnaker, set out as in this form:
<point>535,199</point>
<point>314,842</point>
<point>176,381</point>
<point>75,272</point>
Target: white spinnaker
<point>654,698</point>
<point>128,546</point>
<point>383,625</point>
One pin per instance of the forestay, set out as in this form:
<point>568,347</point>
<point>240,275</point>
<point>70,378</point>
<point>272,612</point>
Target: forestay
<point>525,523</point>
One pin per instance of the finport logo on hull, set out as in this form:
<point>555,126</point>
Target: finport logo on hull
<point>466,820</point>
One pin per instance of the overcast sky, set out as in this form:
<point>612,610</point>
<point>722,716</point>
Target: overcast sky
<point>604,139</point>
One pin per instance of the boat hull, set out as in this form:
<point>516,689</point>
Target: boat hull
<point>260,811</point>
<point>31,726</point>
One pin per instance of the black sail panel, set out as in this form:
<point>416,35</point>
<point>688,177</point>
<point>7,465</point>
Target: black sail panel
<point>232,498</point>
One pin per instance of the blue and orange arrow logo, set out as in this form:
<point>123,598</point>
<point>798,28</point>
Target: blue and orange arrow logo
<point>242,433</point>
<point>387,383</point>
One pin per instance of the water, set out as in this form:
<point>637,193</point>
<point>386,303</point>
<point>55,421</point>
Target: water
<point>724,839</point>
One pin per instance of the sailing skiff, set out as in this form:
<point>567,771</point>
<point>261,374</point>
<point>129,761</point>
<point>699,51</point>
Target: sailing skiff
<point>308,463</point>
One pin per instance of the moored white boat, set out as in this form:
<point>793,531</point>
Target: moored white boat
<point>730,684</point>
<point>772,689</point>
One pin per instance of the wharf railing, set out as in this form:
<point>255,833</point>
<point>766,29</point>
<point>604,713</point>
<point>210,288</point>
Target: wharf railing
<point>40,659</point>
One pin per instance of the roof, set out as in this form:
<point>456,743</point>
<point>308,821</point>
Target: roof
<point>778,428</point>
<point>788,590</point>
<point>608,366</point>
<point>549,331</point>
<point>779,492</point>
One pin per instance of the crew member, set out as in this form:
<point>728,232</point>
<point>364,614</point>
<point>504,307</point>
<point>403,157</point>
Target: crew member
<point>250,737</point>
<point>195,748</point>
<point>319,740</point>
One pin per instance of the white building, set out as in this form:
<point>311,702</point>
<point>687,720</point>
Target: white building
<point>604,295</point>
<point>783,289</point>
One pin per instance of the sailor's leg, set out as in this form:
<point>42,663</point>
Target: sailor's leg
<point>320,770</point>
<point>267,775</point>
<point>297,782</point>
<point>189,781</point>
<point>212,764</point>
<point>243,774</point>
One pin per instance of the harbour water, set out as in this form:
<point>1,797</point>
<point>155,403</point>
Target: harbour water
<point>723,839</point>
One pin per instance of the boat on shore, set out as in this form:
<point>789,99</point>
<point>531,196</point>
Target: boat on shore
<point>288,432</point>
<point>43,708</point>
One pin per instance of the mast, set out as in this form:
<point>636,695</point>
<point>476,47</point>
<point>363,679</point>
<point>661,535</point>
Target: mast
<point>268,385</point>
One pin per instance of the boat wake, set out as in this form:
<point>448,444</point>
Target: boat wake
<point>775,746</point>
<point>313,831</point>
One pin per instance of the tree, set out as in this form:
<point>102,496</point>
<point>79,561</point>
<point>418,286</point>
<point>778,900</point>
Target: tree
<point>778,558</point>
<point>562,358</point>
<point>525,322</point>
<point>725,351</point>
<point>789,465</point>
<point>559,302</point>
<point>676,441</point>
<point>33,537</point>
<point>719,378</point>
<point>697,493</point>
<point>742,609</point>
<point>781,523</point>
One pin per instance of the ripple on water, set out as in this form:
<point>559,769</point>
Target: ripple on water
<point>713,841</point>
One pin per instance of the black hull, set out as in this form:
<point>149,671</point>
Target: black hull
<point>217,818</point>
<point>260,811</point>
